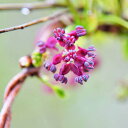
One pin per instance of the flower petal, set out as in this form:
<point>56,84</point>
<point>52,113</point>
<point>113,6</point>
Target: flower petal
<point>65,69</point>
<point>79,61</point>
<point>51,43</point>
<point>61,43</point>
<point>73,33</point>
<point>71,47</point>
<point>82,52</point>
<point>57,59</point>
<point>75,69</point>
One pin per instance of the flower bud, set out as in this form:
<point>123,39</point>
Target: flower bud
<point>25,61</point>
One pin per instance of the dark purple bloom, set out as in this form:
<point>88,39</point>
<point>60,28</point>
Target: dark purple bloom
<point>91,48</point>
<point>60,78</point>
<point>82,52</point>
<point>64,69</point>
<point>80,31</point>
<point>67,40</point>
<point>59,33</point>
<point>50,67</point>
<point>73,59</point>
<point>42,47</point>
<point>50,43</point>
<point>57,58</point>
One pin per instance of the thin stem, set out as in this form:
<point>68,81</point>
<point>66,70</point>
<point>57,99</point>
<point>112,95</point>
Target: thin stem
<point>31,6</point>
<point>57,90</point>
<point>34,22</point>
<point>43,80</point>
<point>11,92</point>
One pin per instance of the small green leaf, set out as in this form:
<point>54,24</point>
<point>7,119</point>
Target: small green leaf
<point>123,93</point>
<point>59,91</point>
<point>113,19</point>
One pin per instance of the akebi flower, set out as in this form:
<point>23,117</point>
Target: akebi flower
<point>72,58</point>
<point>50,43</point>
<point>67,40</point>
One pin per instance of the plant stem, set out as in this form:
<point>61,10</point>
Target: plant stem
<point>37,21</point>
<point>11,92</point>
<point>74,11</point>
<point>31,6</point>
<point>43,80</point>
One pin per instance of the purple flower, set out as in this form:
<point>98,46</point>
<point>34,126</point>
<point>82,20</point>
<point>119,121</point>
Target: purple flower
<point>57,59</point>
<point>79,31</point>
<point>73,59</point>
<point>50,67</point>
<point>42,47</point>
<point>61,78</point>
<point>67,40</point>
<point>50,43</point>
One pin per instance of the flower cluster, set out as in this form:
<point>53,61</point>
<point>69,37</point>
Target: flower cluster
<point>72,58</point>
<point>68,40</point>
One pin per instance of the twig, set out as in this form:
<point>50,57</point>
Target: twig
<point>31,6</point>
<point>11,92</point>
<point>37,21</point>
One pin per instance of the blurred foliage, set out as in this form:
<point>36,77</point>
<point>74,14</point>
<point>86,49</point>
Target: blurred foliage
<point>91,102</point>
<point>102,15</point>
<point>125,45</point>
<point>103,19</point>
<point>122,92</point>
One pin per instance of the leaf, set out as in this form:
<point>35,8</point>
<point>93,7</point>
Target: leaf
<point>112,6</point>
<point>113,19</point>
<point>56,89</point>
<point>122,93</point>
<point>59,91</point>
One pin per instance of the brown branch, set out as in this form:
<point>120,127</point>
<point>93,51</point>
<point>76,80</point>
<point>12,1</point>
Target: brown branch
<point>31,6</point>
<point>37,21</point>
<point>11,92</point>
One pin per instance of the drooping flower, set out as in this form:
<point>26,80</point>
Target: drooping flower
<point>50,43</point>
<point>75,59</point>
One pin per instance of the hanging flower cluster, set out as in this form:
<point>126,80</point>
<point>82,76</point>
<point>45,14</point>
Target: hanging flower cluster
<point>72,58</point>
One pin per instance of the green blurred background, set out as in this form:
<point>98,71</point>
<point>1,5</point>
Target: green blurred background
<point>93,105</point>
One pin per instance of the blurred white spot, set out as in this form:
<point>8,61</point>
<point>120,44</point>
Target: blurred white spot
<point>25,11</point>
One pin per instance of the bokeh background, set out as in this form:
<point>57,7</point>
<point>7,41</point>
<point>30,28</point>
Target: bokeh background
<point>93,105</point>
